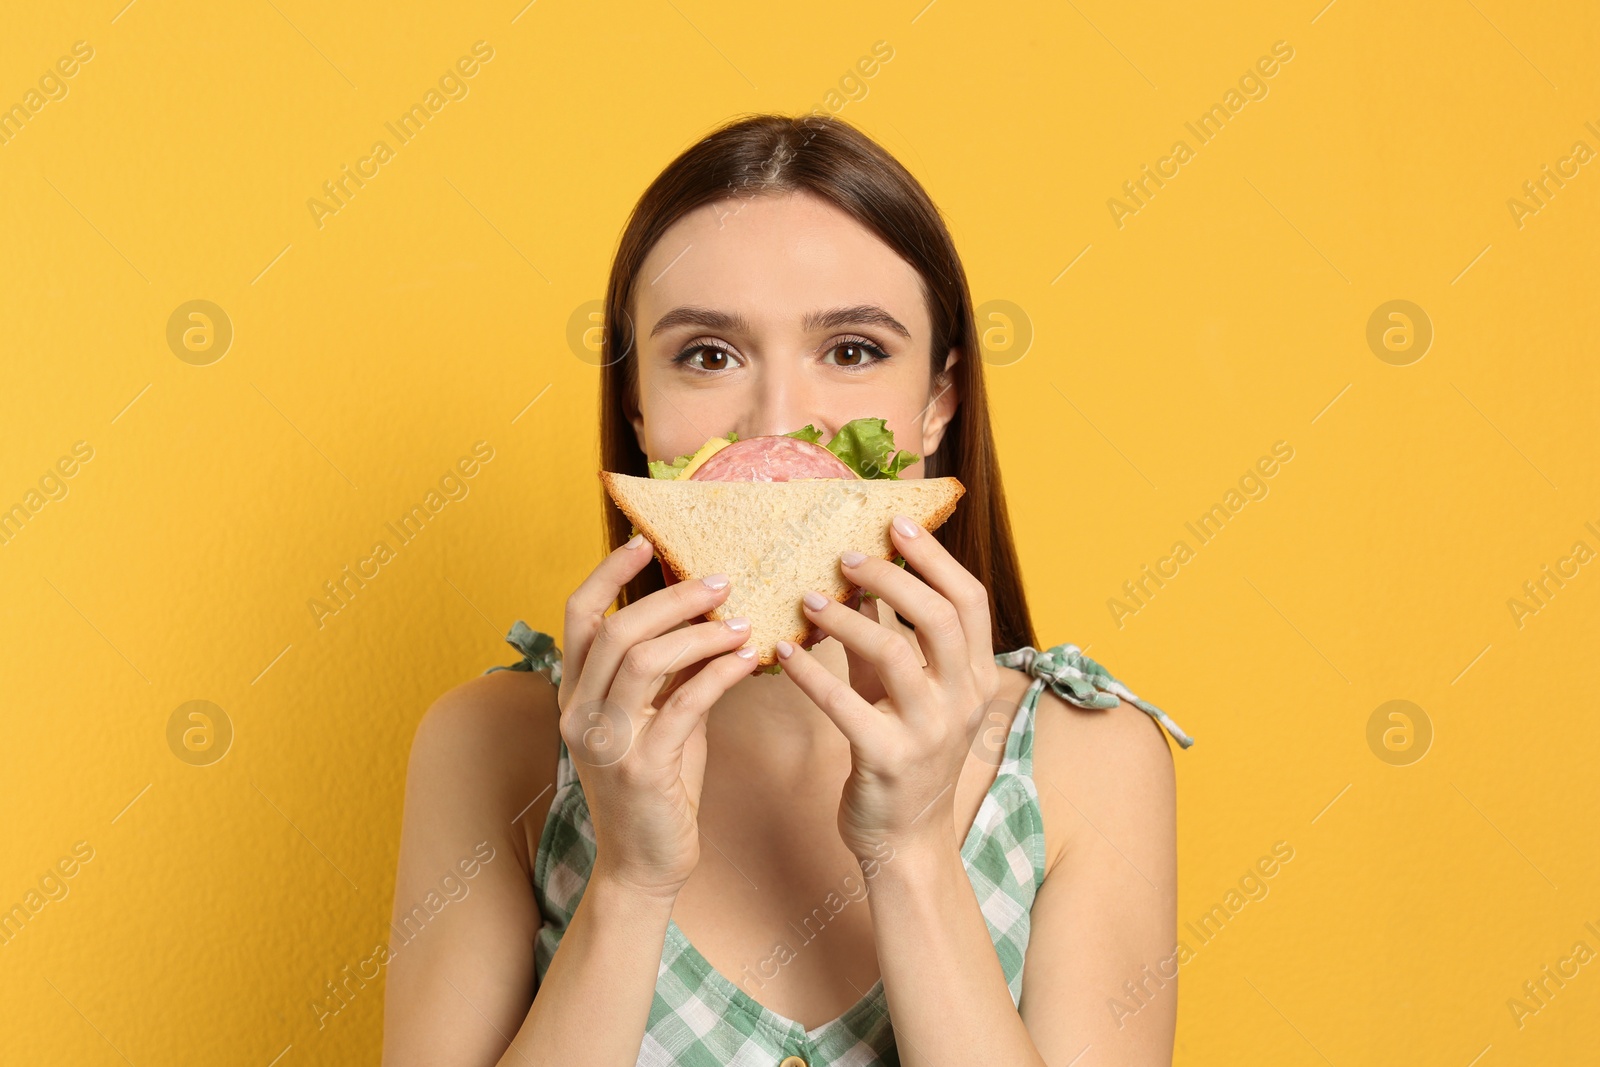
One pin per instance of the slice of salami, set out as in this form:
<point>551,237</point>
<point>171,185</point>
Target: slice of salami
<point>771,459</point>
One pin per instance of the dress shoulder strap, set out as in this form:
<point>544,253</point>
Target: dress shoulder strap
<point>540,654</point>
<point>1079,680</point>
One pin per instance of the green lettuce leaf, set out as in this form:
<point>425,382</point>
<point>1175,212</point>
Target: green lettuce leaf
<point>807,432</point>
<point>866,446</point>
<point>661,469</point>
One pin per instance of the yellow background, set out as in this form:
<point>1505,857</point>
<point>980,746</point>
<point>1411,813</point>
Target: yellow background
<point>428,314</point>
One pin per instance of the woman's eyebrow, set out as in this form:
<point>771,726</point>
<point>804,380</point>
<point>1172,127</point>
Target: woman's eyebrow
<point>706,318</point>
<point>733,322</point>
<point>858,315</point>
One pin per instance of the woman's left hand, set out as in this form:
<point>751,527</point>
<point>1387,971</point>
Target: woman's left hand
<point>910,726</point>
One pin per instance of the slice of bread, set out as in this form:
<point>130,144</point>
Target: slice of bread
<point>775,540</point>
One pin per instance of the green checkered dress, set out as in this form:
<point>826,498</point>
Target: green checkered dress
<point>701,1018</point>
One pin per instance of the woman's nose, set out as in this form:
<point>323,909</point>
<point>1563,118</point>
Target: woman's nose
<point>782,402</point>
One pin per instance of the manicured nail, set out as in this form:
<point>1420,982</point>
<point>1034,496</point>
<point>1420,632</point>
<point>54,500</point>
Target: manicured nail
<point>738,622</point>
<point>785,650</point>
<point>815,601</point>
<point>852,557</point>
<point>906,527</point>
<point>715,581</point>
<point>745,652</point>
<point>635,541</point>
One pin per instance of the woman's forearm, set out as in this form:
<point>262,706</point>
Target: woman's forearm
<point>593,1006</point>
<point>946,989</point>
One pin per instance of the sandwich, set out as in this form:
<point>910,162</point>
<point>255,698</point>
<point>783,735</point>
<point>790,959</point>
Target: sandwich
<point>774,512</point>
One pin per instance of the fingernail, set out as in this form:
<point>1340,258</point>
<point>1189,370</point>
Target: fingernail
<point>745,652</point>
<point>715,581</point>
<point>738,622</point>
<point>851,558</point>
<point>815,601</point>
<point>906,527</point>
<point>635,541</point>
<point>785,650</point>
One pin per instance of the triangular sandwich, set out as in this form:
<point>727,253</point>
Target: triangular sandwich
<point>774,513</point>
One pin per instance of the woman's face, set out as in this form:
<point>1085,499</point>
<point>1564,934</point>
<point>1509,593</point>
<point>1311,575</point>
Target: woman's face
<point>761,315</point>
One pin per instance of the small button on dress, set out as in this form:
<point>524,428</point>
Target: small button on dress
<point>792,1061</point>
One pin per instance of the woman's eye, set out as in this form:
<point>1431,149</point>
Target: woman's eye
<point>856,354</point>
<point>710,358</point>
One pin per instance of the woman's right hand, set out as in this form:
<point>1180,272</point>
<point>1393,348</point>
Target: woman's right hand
<point>642,765</point>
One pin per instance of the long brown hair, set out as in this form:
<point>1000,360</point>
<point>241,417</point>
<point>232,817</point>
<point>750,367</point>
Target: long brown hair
<point>827,157</point>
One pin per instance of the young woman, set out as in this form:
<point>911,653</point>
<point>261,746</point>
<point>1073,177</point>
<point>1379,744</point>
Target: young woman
<point>855,860</point>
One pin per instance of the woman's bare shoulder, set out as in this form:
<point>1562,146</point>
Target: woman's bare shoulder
<point>1105,773</point>
<point>492,742</point>
<point>482,759</point>
<point>510,701</point>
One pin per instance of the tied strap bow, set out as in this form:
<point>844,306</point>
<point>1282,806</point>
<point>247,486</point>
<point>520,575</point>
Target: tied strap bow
<point>539,652</point>
<point>1079,680</point>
